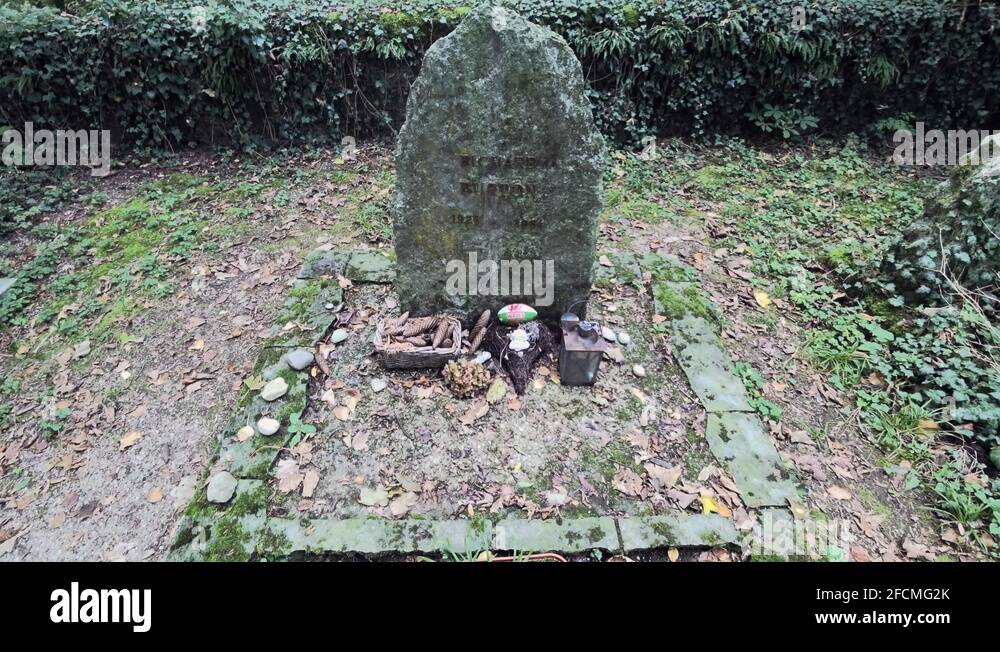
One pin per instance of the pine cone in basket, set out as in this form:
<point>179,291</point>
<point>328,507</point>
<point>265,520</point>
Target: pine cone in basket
<point>465,378</point>
<point>441,333</point>
<point>395,326</point>
<point>419,325</point>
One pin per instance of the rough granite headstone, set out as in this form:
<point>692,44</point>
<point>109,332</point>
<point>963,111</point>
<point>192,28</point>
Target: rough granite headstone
<point>499,173</point>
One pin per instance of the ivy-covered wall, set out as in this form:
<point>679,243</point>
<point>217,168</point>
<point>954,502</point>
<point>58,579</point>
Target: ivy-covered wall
<point>167,74</point>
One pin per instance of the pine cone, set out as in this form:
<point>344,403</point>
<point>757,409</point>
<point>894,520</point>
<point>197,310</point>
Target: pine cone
<point>441,333</point>
<point>419,325</point>
<point>395,326</point>
<point>478,331</point>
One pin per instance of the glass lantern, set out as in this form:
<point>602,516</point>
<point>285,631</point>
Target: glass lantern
<point>581,351</point>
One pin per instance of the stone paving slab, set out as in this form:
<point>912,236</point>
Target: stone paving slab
<point>568,535</point>
<point>708,367</point>
<point>370,267</point>
<point>324,263</point>
<point>708,370</point>
<point>739,442</point>
<point>689,530</point>
<point>375,536</point>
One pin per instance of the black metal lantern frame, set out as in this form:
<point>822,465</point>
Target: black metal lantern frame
<point>581,351</point>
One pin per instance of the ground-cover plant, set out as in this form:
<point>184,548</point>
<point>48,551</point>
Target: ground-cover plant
<point>817,224</point>
<point>970,499</point>
<point>26,193</point>
<point>754,384</point>
<point>88,278</point>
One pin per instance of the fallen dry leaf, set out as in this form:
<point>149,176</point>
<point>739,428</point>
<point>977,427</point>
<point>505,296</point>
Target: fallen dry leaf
<point>288,475</point>
<point>403,504</point>
<point>478,409</point>
<point>129,439</point>
<point>840,493</point>
<point>628,482</point>
<point>309,483</point>
<point>664,478</point>
<point>711,506</point>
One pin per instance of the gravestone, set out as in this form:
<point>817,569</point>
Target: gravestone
<point>499,173</point>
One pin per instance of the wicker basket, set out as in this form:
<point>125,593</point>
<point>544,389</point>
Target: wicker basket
<point>420,357</point>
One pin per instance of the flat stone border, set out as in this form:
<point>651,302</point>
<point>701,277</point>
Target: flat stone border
<point>231,530</point>
<point>241,529</point>
<point>688,530</point>
<point>568,535</point>
<point>374,536</point>
<point>378,536</point>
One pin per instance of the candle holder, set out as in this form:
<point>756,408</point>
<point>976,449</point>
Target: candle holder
<point>581,350</point>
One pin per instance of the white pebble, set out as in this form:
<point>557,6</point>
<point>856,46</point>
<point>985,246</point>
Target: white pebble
<point>267,426</point>
<point>274,389</point>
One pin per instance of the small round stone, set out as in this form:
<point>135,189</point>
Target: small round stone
<point>624,338</point>
<point>221,487</point>
<point>378,384</point>
<point>274,389</point>
<point>267,426</point>
<point>639,370</point>
<point>608,334</point>
<point>299,359</point>
<point>330,306</point>
<point>338,336</point>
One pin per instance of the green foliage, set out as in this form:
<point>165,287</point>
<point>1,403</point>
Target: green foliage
<point>817,225</point>
<point>133,244</point>
<point>54,425</point>
<point>946,360</point>
<point>754,384</point>
<point>374,221</point>
<point>790,123</point>
<point>158,74</point>
<point>954,249</point>
<point>846,347</point>
<point>972,502</point>
<point>26,193</point>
